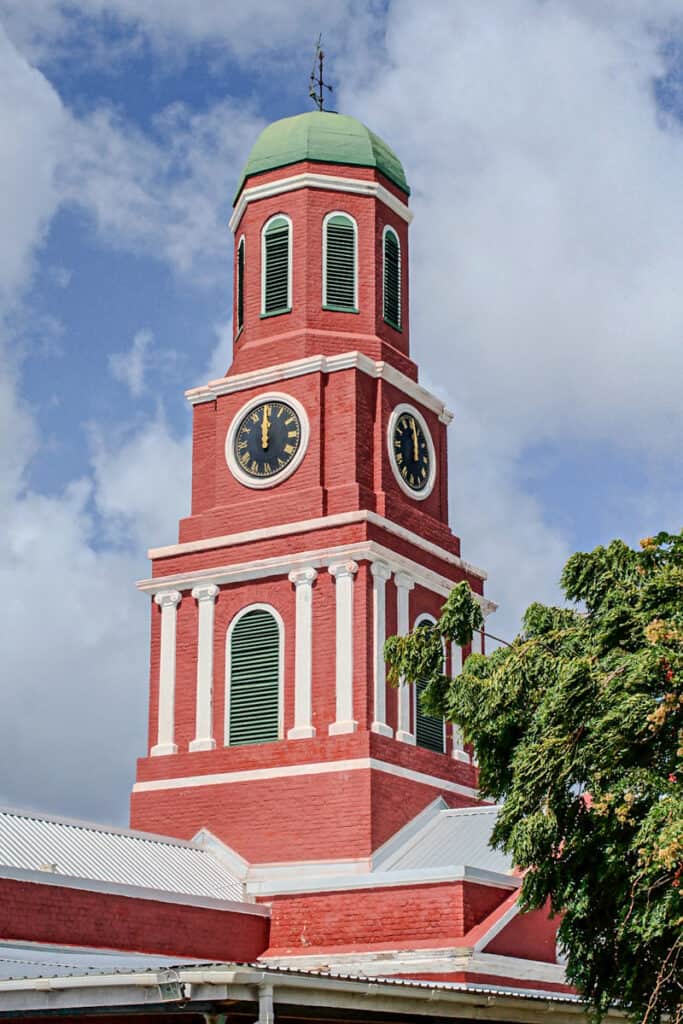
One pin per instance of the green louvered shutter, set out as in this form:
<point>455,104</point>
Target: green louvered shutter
<point>392,279</point>
<point>276,255</point>
<point>254,679</point>
<point>340,263</point>
<point>429,732</point>
<point>240,285</point>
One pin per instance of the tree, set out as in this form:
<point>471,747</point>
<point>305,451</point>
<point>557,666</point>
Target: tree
<point>578,729</point>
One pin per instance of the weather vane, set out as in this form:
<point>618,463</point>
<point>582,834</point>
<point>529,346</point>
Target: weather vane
<point>315,89</point>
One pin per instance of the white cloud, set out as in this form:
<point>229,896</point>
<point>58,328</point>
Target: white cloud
<point>129,367</point>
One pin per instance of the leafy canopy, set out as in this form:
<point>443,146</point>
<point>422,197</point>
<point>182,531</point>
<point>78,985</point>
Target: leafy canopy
<point>578,728</point>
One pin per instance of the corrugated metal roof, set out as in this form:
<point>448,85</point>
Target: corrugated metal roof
<point>17,961</point>
<point>453,837</point>
<point>93,852</point>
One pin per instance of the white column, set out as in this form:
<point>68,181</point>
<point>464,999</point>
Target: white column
<point>458,753</point>
<point>205,597</point>
<point>380,574</point>
<point>344,573</point>
<point>303,655</point>
<point>168,601</point>
<point>404,584</point>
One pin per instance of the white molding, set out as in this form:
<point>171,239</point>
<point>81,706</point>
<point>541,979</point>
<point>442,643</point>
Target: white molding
<point>242,242</point>
<point>205,596</point>
<point>311,768</point>
<point>354,225</point>
<point>497,927</point>
<point>168,601</point>
<point>256,606</point>
<point>404,583</point>
<point>426,617</point>
<point>384,854</point>
<point>282,565</point>
<point>327,182</point>
<point>380,572</point>
<point>322,523</point>
<point>305,882</point>
<point>303,581</point>
<point>458,752</point>
<point>353,360</point>
<point>344,574</point>
<point>389,230</point>
<point>290,250</point>
<point>261,483</point>
<point>398,411</point>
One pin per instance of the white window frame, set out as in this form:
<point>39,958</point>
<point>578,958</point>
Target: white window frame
<point>242,242</point>
<point>427,617</point>
<point>256,606</point>
<point>387,230</point>
<point>264,229</point>
<point>354,225</point>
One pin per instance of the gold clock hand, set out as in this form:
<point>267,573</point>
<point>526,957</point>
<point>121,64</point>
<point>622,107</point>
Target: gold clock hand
<point>265,427</point>
<point>416,450</point>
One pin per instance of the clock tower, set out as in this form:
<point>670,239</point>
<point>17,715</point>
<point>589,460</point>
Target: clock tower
<point>318,527</point>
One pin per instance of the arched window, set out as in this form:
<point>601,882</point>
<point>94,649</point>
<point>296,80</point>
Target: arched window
<point>254,677</point>
<point>240,285</point>
<point>340,288</point>
<point>276,261</point>
<point>429,732</point>
<point>392,278</point>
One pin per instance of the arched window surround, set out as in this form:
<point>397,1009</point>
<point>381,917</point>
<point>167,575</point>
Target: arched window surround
<point>396,324</point>
<point>422,618</point>
<point>352,221</point>
<point>290,238</point>
<point>256,606</point>
<point>239,284</point>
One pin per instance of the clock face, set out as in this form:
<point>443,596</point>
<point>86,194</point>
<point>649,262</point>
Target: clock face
<point>267,439</point>
<point>411,451</point>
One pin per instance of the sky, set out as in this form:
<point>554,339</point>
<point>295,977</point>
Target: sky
<point>543,140</point>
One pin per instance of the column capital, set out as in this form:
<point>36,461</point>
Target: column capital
<point>303,577</point>
<point>403,581</point>
<point>168,598</point>
<point>341,569</point>
<point>205,592</point>
<point>380,570</point>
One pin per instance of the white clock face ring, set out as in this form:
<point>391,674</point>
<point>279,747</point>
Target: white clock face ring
<point>267,440</point>
<point>411,452</point>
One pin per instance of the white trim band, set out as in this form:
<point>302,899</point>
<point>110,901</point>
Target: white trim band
<point>327,182</point>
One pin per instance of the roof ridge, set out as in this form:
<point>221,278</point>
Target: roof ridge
<point>92,826</point>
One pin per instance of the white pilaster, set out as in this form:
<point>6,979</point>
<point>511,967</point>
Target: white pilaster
<point>205,597</point>
<point>404,584</point>
<point>344,573</point>
<point>168,601</point>
<point>458,753</point>
<point>303,728</point>
<point>380,574</point>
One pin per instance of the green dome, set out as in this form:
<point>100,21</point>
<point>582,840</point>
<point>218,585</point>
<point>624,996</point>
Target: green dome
<point>322,137</point>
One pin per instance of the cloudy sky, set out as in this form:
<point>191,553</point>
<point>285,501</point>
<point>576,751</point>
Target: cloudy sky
<point>543,140</point>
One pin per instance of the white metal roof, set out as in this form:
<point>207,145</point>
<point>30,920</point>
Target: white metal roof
<point>452,837</point>
<point>75,849</point>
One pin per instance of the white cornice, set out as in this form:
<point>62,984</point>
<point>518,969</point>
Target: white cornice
<point>382,880</point>
<point>320,364</point>
<point>311,768</point>
<point>327,182</point>
<point>311,525</point>
<point>283,565</point>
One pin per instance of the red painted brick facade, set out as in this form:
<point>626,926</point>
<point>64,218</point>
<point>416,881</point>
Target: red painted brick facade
<point>78,917</point>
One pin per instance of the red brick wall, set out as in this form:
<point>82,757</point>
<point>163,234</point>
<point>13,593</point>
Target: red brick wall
<point>530,936</point>
<point>419,916</point>
<point>34,912</point>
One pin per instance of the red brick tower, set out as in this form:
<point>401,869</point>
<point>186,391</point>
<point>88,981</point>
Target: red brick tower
<point>318,526</point>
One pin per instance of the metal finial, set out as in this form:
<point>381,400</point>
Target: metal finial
<point>317,83</point>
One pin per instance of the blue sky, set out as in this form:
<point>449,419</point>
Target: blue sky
<point>543,143</point>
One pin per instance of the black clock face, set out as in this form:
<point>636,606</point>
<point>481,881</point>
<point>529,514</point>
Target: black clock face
<point>267,439</point>
<point>411,452</point>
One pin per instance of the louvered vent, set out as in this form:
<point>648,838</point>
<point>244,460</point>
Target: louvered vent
<point>340,263</point>
<point>254,679</point>
<point>276,284</point>
<point>429,732</point>
<point>392,279</point>
<point>240,285</point>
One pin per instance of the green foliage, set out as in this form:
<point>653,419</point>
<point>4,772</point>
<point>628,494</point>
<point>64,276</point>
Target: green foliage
<point>578,728</point>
